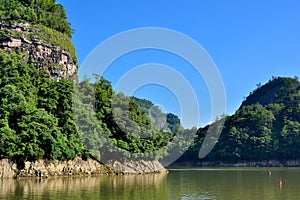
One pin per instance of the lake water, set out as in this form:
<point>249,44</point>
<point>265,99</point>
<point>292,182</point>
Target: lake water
<point>184,183</point>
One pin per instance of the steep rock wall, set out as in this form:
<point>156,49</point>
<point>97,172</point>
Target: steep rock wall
<point>47,49</point>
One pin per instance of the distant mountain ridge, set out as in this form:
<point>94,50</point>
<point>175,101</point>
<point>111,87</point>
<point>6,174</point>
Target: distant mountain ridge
<point>167,122</point>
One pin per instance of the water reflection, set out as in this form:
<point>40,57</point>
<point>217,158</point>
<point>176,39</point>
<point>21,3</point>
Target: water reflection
<point>226,184</point>
<point>104,187</point>
<point>251,183</point>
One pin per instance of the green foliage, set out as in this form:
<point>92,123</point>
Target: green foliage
<point>143,103</point>
<point>35,113</point>
<point>45,35</point>
<point>162,121</point>
<point>275,91</point>
<point>48,22</point>
<point>173,122</point>
<point>266,126</point>
<point>55,37</point>
<point>42,117</point>
<point>45,12</point>
<point>124,129</point>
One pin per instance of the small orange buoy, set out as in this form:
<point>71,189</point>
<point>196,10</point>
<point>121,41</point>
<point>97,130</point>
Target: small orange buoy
<point>280,183</point>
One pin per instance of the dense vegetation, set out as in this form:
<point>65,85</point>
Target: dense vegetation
<point>45,12</point>
<point>35,113</point>
<point>42,117</point>
<point>162,121</point>
<point>266,126</point>
<point>48,118</point>
<point>125,127</point>
<point>47,23</point>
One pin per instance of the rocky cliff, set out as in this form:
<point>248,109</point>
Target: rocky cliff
<point>45,48</point>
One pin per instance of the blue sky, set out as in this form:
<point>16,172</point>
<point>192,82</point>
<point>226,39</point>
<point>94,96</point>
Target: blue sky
<point>249,41</point>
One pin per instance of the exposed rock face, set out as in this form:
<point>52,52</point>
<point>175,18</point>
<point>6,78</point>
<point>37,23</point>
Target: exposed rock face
<point>45,168</point>
<point>137,167</point>
<point>77,166</point>
<point>38,46</point>
<point>8,169</point>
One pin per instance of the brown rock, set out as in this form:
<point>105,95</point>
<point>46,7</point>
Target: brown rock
<point>57,62</point>
<point>14,43</point>
<point>137,167</point>
<point>7,168</point>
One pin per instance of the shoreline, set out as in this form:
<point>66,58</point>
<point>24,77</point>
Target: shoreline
<point>261,163</point>
<point>77,167</point>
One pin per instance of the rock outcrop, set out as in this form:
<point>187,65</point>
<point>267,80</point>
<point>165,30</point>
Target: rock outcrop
<point>77,167</point>
<point>45,168</point>
<point>47,49</point>
<point>137,167</point>
<point>8,168</point>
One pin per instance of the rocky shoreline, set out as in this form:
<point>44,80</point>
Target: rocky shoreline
<point>137,167</point>
<point>77,167</point>
<point>262,163</point>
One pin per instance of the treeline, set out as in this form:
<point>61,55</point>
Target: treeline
<point>119,129</point>
<point>122,127</point>
<point>45,12</point>
<point>162,121</point>
<point>266,126</point>
<point>41,117</point>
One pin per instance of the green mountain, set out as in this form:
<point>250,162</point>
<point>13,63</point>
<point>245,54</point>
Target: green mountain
<point>276,91</point>
<point>266,126</point>
<point>46,113</point>
<point>166,122</point>
<point>38,66</point>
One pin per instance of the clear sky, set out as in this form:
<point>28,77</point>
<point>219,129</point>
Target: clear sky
<point>249,41</point>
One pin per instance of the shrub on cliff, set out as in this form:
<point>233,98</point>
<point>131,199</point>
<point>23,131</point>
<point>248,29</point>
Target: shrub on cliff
<point>45,12</point>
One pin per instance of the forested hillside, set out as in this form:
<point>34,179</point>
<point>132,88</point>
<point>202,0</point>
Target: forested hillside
<point>35,113</point>
<point>266,126</point>
<point>46,113</point>
<point>41,117</point>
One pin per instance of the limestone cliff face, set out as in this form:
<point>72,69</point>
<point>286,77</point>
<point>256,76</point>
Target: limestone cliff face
<point>47,49</point>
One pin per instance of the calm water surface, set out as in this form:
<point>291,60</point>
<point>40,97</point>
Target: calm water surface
<point>184,183</point>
